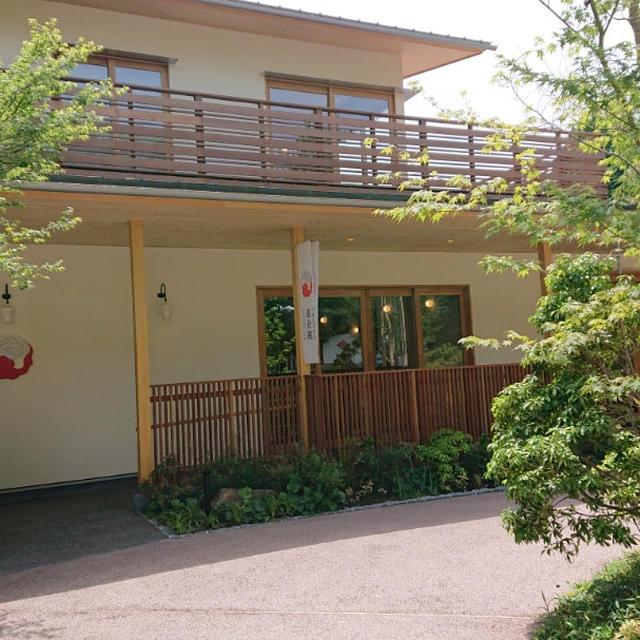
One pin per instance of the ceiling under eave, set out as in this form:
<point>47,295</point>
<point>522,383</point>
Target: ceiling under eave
<point>419,51</point>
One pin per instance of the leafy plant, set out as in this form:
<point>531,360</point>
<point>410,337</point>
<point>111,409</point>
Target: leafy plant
<point>475,463</point>
<point>186,516</point>
<point>443,453</point>
<point>168,482</point>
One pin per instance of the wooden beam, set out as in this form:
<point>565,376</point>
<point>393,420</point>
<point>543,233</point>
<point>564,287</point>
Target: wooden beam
<point>545,256</point>
<point>302,368</point>
<point>141,349</point>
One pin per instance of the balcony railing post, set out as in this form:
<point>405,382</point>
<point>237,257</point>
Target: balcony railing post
<point>472,164</point>
<point>560,170</point>
<point>199,129</point>
<point>262,135</point>
<point>424,148</point>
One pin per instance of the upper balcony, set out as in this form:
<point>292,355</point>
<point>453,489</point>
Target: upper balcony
<point>178,139</point>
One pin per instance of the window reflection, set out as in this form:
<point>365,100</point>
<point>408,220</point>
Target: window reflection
<point>90,71</point>
<point>340,336</point>
<point>144,77</point>
<point>441,330</point>
<point>361,103</point>
<point>280,338</point>
<point>389,338</point>
<point>393,332</point>
<point>293,96</point>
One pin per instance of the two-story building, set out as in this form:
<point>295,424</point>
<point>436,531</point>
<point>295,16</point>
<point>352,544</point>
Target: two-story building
<point>242,134</point>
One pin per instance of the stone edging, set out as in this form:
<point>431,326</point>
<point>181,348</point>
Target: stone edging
<point>378,505</point>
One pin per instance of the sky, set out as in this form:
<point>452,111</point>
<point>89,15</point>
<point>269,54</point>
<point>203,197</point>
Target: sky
<point>509,24</point>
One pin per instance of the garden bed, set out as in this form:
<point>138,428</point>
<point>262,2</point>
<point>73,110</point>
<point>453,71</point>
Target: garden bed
<point>184,500</point>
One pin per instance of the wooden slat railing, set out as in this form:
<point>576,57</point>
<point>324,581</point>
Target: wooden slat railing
<point>193,422</point>
<point>198,421</point>
<point>177,136</point>
<point>404,406</point>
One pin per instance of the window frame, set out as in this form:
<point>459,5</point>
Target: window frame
<point>366,292</point>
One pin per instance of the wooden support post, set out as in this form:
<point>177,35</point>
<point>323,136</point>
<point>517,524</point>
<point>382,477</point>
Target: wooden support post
<point>302,369</point>
<point>141,349</point>
<point>546,258</point>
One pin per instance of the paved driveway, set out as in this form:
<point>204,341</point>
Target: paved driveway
<point>51,528</point>
<point>436,571</point>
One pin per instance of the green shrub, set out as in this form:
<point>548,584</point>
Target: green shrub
<point>605,608</point>
<point>315,483</point>
<point>443,454</point>
<point>186,516</point>
<point>169,482</point>
<point>304,484</point>
<point>387,472</point>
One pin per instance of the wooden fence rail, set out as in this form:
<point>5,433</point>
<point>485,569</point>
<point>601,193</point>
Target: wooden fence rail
<point>198,421</point>
<point>171,135</point>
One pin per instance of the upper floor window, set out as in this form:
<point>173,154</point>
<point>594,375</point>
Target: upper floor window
<point>331,96</point>
<point>124,71</point>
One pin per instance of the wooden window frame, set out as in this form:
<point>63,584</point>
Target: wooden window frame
<point>330,90</point>
<point>365,293</point>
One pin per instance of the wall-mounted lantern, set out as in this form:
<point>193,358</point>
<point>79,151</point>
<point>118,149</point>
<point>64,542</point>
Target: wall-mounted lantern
<point>7,311</point>
<point>165,307</point>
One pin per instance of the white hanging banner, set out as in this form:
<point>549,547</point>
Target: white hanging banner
<point>308,265</point>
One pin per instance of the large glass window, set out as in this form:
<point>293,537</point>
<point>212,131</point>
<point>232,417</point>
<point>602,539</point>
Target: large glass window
<point>279,334</point>
<point>441,324</point>
<point>340,335</point>
<point>132,72</point>
<point>369,329</point>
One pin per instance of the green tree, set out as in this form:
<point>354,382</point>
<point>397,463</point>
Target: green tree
<point>40,113</point>
<point>567,438</point>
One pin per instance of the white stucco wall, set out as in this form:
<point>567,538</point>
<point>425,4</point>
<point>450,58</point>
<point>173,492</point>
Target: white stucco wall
<point>72,416</point>
<point>209,60</point>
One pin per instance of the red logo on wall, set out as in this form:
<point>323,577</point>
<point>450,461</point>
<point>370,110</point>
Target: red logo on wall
<point>16,356</point>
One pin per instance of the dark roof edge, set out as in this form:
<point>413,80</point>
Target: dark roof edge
<point>425,36</point>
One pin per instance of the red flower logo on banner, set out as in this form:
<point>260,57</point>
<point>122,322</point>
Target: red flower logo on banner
<point>307,284</point>
<point>16,357</point>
